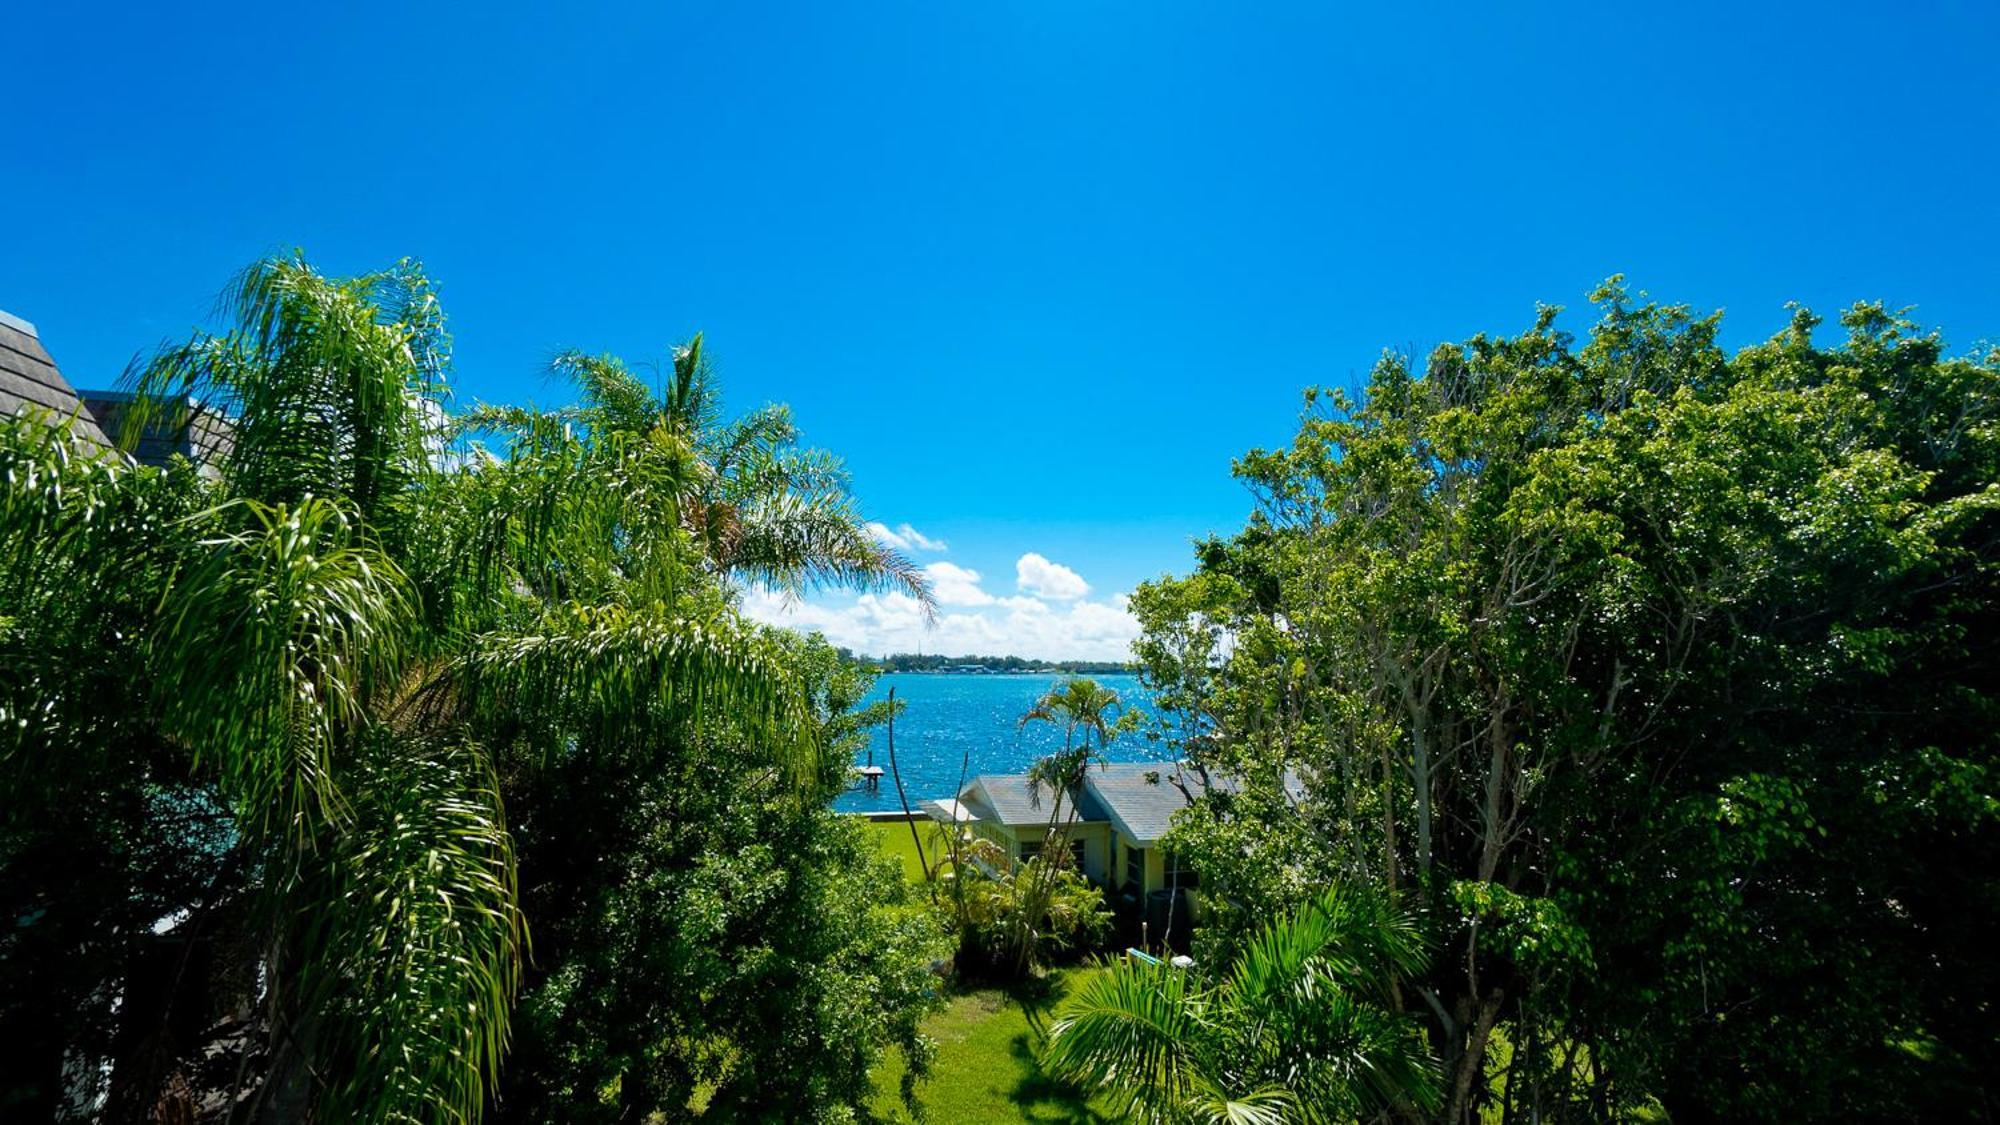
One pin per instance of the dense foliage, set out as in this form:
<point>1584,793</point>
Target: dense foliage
<point>301,748</point>
<point>1299,1027</point>
<point>403,764</point>
<point>1661,680</point>
<point>706,938</point>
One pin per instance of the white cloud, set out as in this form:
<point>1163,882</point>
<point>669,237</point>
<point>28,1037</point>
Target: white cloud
<point>903,537</point>
<point>956,585</point>
<point>1038,576</point>
<point>919,540</point>
<point>879,624</point>
<point>1052,617</point>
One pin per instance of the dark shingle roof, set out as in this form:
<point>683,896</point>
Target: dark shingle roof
<point>194,432</point>
<point>29,379</point>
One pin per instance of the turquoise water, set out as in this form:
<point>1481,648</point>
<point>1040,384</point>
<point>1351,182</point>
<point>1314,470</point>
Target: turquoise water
<point>947,716</point>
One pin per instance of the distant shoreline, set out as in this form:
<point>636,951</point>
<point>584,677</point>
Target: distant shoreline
<point>1004,672</point>
<point>991,665</point>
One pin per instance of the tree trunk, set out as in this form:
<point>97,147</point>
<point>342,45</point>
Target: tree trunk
<point>1496,776</point>
<point>1473,1059</point>
<point>1391,865</point>
<point>1420,776</point>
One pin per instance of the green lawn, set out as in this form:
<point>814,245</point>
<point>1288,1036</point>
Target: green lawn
<point>985,1069</point>
<point>986,1038</point>
<point>893,837</point>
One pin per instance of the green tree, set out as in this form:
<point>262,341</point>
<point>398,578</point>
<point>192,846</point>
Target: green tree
<point>103,832</point>
<point>285,704</point>
<point>1300,1027</point>
<point>1650,672</point>
<point>708,939</point>
<point>760,507</point>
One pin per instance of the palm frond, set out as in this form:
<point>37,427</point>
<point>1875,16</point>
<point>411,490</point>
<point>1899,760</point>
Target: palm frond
<point>623,675</point>
<point>693,398</point>
<point>87,540</point>
<point>793,542</point>
<point>762,433</point>
<point>1212,1105</point>
<point>1294,1032</point>
<point>270,645</point>
<point>513,421</point>
<point>613,398</point>
<point>1356,936</point>
<point>1136,1030</point>
<point>331,387</point>
<point>410,962</point>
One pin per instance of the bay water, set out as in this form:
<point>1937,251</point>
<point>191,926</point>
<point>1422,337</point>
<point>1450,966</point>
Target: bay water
<point>971,722</point>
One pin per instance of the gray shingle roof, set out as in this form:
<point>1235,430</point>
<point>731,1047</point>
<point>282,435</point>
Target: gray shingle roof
<point>1141,797</point>
<point>28,378</point>
<point>1013,804</point>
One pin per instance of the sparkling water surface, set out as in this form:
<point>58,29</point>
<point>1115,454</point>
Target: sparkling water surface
<point>948,715</point>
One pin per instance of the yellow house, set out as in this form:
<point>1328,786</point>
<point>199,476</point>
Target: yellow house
<point>1122,812</point>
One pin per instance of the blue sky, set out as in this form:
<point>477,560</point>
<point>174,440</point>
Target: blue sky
<point>1038,271</point>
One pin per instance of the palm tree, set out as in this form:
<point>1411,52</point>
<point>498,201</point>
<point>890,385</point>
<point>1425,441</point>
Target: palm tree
<point>1091,716</point>
<point>1302,1027</point>
<point>81,561</point>
<point>763,509</point>
<point>346,638</point>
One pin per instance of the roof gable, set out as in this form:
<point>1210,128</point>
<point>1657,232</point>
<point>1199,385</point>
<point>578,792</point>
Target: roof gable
<point>1141,798</point>
<point>29,380</point>
<point>1014,802</point>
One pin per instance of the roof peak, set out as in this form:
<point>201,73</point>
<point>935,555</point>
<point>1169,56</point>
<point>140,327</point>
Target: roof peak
<point>18,325</point>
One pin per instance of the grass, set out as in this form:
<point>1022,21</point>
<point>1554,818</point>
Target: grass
<point>985,1070</point>
<point>893,838</point>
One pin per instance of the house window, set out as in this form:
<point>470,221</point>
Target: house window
<point>1135,867</point>
<point>1179,874</point>
<point>1031,849</point>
